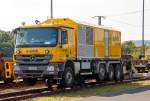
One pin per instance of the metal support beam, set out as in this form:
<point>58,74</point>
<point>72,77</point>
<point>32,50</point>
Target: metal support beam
<point>51,9</point>
<point>143,44</point>
<point>99,19</point>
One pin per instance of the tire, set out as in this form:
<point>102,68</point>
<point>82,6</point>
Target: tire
<point>111,73</point>
<point>68,77</point>
<point>101,72</point>
<point>29,81</point>
<point>118,73</point>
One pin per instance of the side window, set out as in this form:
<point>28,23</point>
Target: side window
<point>116,37</point>
<point>89,36</point>
<point>64,36</point>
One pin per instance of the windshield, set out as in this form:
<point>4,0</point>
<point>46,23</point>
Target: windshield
<point>38,37</point>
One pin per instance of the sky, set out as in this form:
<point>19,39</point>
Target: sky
<point>124,15</point>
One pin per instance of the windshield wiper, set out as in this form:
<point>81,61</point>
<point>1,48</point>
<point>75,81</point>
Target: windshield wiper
<point>37,42</point>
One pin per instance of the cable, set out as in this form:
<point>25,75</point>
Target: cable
<point>127,13</point>
<point>122,22</point>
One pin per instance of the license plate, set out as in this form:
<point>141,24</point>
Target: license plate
<point>32,68</point>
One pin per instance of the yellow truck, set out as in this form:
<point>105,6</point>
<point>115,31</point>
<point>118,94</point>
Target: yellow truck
<point>6,70</point>
<point>65,52</point>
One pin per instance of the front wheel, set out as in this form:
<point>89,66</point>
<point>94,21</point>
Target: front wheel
<point>68,77</point>
<point>30,81</point>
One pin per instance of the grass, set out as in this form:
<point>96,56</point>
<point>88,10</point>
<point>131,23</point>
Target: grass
<point>76,95</point>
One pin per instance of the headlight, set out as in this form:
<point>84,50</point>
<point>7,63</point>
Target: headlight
<point>46,51</point>
<point>50,68</point>
<point>18,51</point>
<point>16,68</point>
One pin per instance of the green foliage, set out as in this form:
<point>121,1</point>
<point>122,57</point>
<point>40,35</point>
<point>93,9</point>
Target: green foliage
<point>6,43</point>
<point>128,47</point>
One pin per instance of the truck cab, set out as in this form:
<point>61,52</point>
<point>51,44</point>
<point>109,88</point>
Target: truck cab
<point>41,50</point>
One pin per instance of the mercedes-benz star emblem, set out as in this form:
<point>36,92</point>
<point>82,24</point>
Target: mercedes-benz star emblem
<point>32,58</point>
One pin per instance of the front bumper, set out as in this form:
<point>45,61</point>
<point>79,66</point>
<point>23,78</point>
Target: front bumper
<point>39,71</point>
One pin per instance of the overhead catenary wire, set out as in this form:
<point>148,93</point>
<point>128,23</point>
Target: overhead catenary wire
<point>122,22</point>
<point>128,13</point>
<point>109,17</point>
<point>128,24</point>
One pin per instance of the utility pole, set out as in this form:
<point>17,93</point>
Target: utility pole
<point>99,19</point>
<point>51,9</point>
<point>143,44</point>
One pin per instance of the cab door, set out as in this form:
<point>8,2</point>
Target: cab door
<point>63,43</point>
<point>67,43</point>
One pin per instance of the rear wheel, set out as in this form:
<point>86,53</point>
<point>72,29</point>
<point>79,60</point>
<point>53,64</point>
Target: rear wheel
<point>68,77</point>
<point>101,72</point>
<point>118,72</point>
<point>30,81</point>
<point>111,73</point>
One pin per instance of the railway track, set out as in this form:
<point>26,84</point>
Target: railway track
<point>32,93</point>
<point>11,85</point>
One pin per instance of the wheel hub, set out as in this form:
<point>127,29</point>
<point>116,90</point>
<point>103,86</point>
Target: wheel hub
<point>68,78</point>
<point>118,74</point>
<point>102,71</point>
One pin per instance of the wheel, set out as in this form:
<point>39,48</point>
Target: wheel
<point>111,73</point>
<point>68,77</point>
<point>101,72</point>
<point>118,73</point>
<point>30,81</point>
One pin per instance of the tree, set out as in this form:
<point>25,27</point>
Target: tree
<point>6,43</point>
<point>128,48</point>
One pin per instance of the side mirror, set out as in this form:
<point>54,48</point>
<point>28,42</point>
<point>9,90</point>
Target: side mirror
<point>13,33</point>
<point>60,46</point>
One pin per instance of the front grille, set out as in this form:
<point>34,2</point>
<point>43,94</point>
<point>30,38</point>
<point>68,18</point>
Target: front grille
<point>33,59</point>
<point>33,71</point>
<point>33,75</point>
